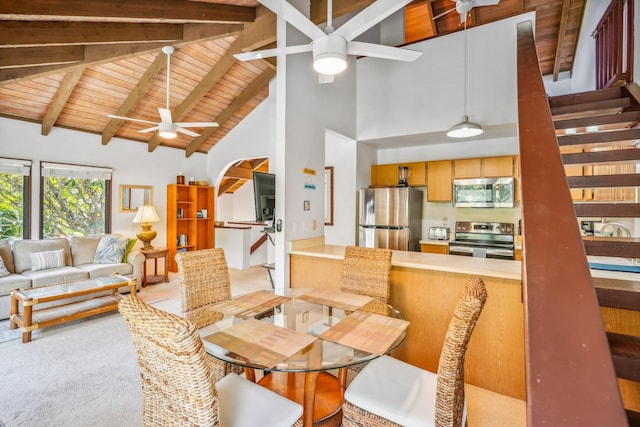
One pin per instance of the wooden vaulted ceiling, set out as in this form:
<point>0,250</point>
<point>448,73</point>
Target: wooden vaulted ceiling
<point>70,63</point>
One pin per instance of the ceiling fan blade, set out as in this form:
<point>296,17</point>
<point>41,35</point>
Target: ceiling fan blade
<point>381,51</point>
<point>165,115</point>
<point>443,13</point>
<point>187,132</point>
<point>151,129</point>
<point>197,124</point>
<point>325,78</point>
<point>266,53</point>
<point>477,3</point>
<point>370,16</point>
<point>111,116</point>
<point>294,17</point>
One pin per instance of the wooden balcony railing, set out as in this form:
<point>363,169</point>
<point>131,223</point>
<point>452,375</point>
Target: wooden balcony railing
<point>614,45</point>
<point>569,371</point>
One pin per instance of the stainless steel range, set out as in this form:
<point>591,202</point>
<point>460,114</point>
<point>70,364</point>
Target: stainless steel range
<point>483,239</point>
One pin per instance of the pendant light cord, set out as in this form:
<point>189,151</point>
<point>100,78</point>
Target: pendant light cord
<point>168,76</point>
<point>465,65</point>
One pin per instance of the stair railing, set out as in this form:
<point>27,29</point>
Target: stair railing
<point>569,371</point>
<point>614,45</point>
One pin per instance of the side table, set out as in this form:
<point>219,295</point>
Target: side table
<point>154,254</point>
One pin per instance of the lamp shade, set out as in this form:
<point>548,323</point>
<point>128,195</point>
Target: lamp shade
<point>145,214</point>
<point>330,55</point>
<point>464,129</point>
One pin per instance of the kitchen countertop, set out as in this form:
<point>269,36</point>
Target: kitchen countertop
<point>505,269</point>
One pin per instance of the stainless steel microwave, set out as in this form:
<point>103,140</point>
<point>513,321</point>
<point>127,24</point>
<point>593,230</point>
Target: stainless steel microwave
<point>483,192</point>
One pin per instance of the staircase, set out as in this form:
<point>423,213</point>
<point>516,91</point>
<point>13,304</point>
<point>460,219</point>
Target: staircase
<point>597,134</point>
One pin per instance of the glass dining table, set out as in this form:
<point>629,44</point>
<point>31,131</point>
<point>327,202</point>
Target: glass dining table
<point>295,336</point>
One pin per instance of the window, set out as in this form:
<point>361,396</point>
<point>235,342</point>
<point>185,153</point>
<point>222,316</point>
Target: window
<point>76,200</point>
<point>15,188</point>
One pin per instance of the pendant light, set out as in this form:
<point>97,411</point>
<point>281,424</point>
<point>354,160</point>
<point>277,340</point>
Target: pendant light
<point>465,128</point>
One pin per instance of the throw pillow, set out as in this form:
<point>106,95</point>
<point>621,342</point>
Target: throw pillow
<point>47,259</point>
<point>110,250</point>
<point>128,249</point>
<point>3,269</point>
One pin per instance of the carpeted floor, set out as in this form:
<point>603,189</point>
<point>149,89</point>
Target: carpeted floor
<point>85,373</point>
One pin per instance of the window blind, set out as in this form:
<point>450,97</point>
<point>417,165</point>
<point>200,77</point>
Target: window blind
<point>20,167</point>
<point>75,171</point>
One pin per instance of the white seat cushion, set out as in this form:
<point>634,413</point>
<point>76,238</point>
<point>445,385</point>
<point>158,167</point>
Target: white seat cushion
<point>395,390</point>
<point>246,404</point>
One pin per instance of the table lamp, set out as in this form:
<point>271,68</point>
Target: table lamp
<point>145,216</point>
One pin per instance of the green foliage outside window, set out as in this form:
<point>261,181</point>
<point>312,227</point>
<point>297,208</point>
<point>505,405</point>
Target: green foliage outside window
<point>73,206</point>
<point>11,205</point>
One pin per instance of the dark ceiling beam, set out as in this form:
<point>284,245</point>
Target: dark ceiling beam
<point>124,11</point>
<point>140,90</point>
<point>564,18</point>
<point>28,56</point>
<point>254,87</point>
<point>253,35</point>
<point>41,33</point>
<point>60,99</point>
<point>101,54</point>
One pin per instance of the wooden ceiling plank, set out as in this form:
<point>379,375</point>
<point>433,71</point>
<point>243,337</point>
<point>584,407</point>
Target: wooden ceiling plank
<point>129,11</point>
<point>26,56</point>
<point>564,17</point>
<point>253,32</point>
<point>141,88</point>
<point>39,33</point>
<point>59,100</point>
<point>318,8</point>
<point>256,86</point>
<point>239,173</point>
<point>102,54</point>
<point>226,186</point>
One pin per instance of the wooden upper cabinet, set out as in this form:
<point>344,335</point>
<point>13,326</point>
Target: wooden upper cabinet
<point>439,181</point>
<point>467,168</point>
<point>487,167</point>
<point>388,176</point>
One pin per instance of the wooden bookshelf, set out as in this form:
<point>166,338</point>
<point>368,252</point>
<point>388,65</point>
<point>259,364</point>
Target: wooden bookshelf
<point>188,227</point>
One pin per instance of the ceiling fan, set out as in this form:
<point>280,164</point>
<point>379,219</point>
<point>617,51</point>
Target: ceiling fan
<point>464,6</point>
<point>166,127</point>
<point>331,46</point>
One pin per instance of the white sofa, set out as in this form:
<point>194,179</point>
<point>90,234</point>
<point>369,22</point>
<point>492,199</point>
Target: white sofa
<point>79,253</point>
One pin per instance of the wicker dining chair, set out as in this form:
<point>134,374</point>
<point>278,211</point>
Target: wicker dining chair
<point>389,392</point>
<point>178,385</point>
<point>204,281</point>
<point>366,271</point>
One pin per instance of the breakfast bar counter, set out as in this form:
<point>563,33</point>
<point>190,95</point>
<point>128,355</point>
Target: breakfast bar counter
<point>425,288</point>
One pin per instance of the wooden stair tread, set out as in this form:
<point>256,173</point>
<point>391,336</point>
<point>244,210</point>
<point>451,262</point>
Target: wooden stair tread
<point>584,97</point>
<point>617,293</point>
<point>626,118</point>
<point>604,181</point>
<point>625,352</point>
<point>604,210</point>
<point>610,156</point>
<point>633,417</point>
<point>595,139</point>
<point>591,108</point>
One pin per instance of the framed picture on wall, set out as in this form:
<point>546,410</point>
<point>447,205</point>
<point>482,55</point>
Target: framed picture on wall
<point>328,195</point>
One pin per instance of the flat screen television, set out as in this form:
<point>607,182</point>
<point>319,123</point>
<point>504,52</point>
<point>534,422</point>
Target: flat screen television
<point>264,191</point>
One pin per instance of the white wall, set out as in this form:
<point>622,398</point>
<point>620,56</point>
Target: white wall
<point>131,162</point>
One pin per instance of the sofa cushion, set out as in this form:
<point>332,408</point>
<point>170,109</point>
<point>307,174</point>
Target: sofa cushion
<point>101,270</point>
<point>10,282</point>
<point>130,245</point>
<point>3,270</point>
<point>55,276</point>
<point>83,249</point>
<point>6,255</point>
<point>22,249</point>
<point>110,250</point>
<point>47,259</point>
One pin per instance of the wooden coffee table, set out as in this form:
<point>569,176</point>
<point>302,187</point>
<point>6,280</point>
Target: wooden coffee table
<point>31,319</point>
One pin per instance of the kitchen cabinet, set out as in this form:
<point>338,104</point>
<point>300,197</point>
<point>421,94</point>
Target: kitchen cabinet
<point>387,175</point>
<point>439,181</point>
<point>486,167</point>
<point>516,176</point>
<point>190,210</point>
<point>434,248</point>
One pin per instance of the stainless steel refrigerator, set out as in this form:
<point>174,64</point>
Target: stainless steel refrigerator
<point>390,218</point>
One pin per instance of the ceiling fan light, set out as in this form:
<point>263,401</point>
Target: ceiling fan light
<point>464,129</point>
<point>330,55</point>
<point>167,130</point>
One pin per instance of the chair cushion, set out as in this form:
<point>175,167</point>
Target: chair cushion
<point>246,404</point>
<point>395,390</point>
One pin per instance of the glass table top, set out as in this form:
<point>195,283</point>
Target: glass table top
<point>302,330</point>
<point>73,287</point>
